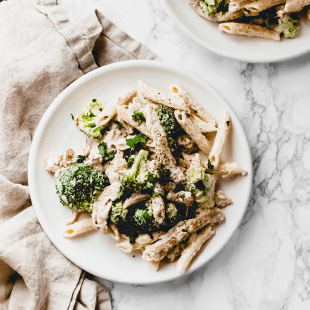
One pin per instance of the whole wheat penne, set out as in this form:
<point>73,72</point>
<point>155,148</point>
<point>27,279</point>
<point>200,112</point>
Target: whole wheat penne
<point>172,101</point>
<point>228,169</point>
<point>78,228</point>
<point>195,107</point>
<point>203,126</point>
<point>253,8</point>
<point>110,109</point>
<point>126,115</point>
<point>220,139</point>
<point>193,131</point>
<point>140,243</point>
<point>292,6</point>
<point>194,244</point>
<point>249,30</point>
<point>221,200</point>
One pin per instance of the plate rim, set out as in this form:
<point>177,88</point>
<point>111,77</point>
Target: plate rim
<point>222,52</point>
<point>57,102</point>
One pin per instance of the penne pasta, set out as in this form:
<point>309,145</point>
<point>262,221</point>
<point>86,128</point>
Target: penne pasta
<point>125,115</point>
<point>221,137</point>
<point>228,169</point>
<point>195,242</point>
<point>203,126</point>
<point>193,131</point>
<point>199,111</point>
<point>249,30</point>
<point>172,101</point>
<point>140,243</point>
<point>110,109</point>
<point>78,228</point>
<point>292,6</point>
<point>221,200</point>
<point>253,8</point>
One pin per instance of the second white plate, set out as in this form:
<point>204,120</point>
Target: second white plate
<point>242,48</point>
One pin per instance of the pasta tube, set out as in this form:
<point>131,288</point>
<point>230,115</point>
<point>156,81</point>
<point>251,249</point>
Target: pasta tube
<point>194,244</point>
<point>292,6</point>
<point>78,228</point>
<point>220,139</point>
<point>249,30</point>
<point>110,109</point>
<point>172,101</point>
<point>193,131</point>
<point>194,106</point>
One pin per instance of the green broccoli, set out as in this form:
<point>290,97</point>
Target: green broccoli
<point>144,220</point>
<point>288,26</point>
<point>163,176</point>
<point>200,184</point>
<point>118,212</point>
<point>138,179</point>
<point>138,117</point>
<point>213,6</point>
<point>87,120</point>
<point>79,186</point>
<point>172,213</point>
<point>170,124</point>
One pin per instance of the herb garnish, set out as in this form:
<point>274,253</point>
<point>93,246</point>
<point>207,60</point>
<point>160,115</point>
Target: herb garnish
<point>132,143</point>
<point>138,117</point>
<point>103,151</point>
<point>81,159</point>
<point>210,166</point>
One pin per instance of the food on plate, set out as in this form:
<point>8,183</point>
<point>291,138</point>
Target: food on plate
<point>147,174</point>
<point>268,19</point>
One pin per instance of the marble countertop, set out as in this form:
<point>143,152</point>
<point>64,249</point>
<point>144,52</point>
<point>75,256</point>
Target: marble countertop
<point>266,264</point>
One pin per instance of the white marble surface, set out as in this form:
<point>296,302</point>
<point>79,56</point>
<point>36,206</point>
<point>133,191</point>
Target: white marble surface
<point>266,265</point>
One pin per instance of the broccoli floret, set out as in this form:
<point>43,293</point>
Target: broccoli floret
<point>213,6</point>
<point>170,124</point>
<point>171,212</point>
<point>163,176</point>
<point>87,120</point>
<point>144,220</point>
<point>118,212</point>
<point>288,26</point>
<point>138,117</point>
<point>200,184</point>
<point>138,179</point>
<point>79,186</point>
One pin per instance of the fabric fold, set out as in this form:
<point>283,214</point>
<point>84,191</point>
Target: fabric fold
<point>43,54</point>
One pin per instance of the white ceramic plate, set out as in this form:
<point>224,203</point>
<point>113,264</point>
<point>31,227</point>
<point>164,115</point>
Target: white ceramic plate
<point>93,251</point>
<point>242,48</point>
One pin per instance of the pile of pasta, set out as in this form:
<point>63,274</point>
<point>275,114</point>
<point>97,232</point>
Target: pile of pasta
<point>203,144</point>
<point>256,18</point>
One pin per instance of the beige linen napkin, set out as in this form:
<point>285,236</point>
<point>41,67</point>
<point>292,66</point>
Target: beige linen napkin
<point>41,53</point>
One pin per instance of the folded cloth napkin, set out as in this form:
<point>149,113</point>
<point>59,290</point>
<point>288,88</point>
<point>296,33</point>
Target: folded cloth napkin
<point>41,53</point>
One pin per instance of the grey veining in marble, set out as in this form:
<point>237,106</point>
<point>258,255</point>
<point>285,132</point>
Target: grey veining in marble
<point>266,264</point>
